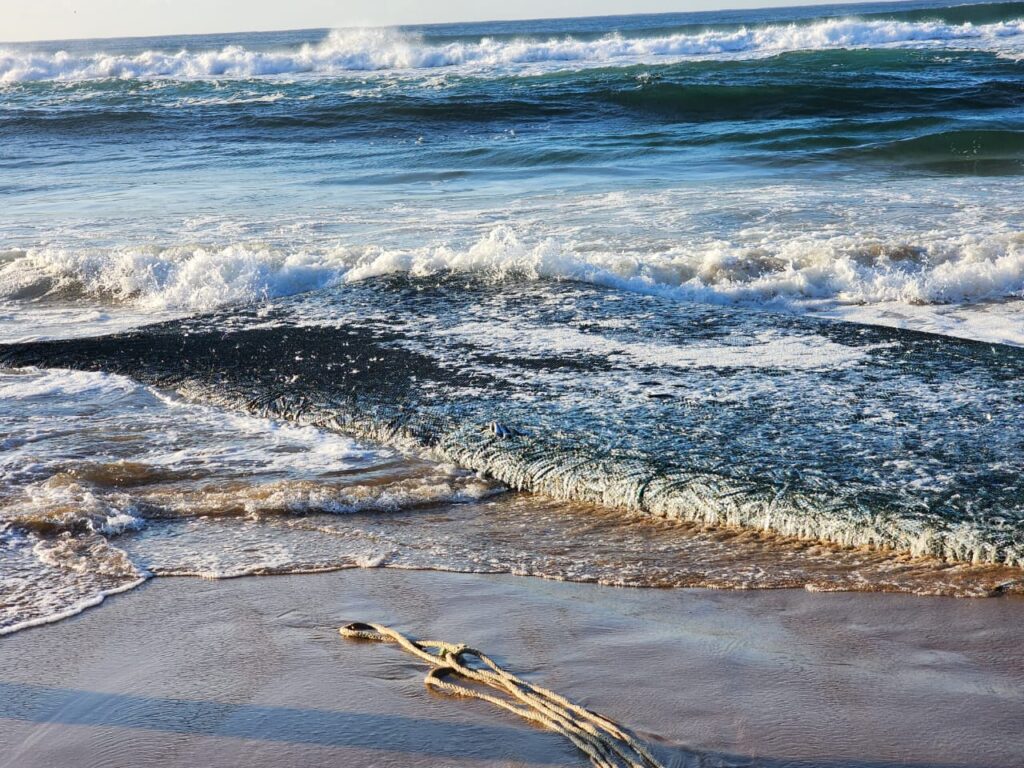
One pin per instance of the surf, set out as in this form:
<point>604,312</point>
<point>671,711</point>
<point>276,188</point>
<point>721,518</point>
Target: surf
<point>903,278</point>
<point>846,434</point>
<point>391,50</point>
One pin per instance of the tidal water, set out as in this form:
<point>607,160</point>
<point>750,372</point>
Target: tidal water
<point>495,283</point>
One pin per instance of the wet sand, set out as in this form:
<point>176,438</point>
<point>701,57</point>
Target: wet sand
<point>187,672</point>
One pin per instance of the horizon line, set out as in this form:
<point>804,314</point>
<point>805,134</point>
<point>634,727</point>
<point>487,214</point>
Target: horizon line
<point>507,20</point>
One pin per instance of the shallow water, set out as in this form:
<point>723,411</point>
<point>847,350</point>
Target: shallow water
<point>99,456</point>
<point>114,477</point>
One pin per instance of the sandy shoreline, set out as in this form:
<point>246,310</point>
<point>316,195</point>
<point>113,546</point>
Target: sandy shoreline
<point>250,671</point>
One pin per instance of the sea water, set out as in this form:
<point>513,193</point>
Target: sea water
<point>850,164</point>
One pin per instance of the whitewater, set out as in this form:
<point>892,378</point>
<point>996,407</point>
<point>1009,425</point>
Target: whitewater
<point>963,282</point>
<point>373,50</point>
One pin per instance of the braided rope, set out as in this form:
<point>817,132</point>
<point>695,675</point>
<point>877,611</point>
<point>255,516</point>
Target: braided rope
<point>607,744</point>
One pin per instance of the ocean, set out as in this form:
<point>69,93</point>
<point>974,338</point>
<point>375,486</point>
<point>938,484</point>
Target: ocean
<point>725,299</point>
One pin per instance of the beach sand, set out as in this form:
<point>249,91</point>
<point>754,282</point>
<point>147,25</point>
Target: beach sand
<point>189,672</point>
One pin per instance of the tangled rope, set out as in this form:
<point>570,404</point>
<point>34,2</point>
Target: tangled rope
<point>607,744</point>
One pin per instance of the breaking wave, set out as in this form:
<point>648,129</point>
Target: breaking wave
<point>792,272</point>
<point>363,50</point>
<point>178,278</point>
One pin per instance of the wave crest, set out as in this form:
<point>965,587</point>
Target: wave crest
<point>850,269</point>
<point>190,278</point>
<point>363,50</point>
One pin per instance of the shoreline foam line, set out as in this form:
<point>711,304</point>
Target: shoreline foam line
<point>531,464</point>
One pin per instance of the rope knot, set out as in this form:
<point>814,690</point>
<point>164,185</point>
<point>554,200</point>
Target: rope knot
<point>605,743</point>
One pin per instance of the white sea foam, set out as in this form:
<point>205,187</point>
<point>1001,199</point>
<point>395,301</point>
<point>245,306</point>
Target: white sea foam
<point>765,350</point>
<point>187,278</point>
<point>62,383</point>
<point>48,580</point>
<point>362,50</point>
<point>86,554</point>
<point>61,503</point>
<point>156,433</point>
<point>53,605</point>
<point>863,276</point>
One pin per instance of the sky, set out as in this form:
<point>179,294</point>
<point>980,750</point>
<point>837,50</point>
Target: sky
<point>67,19</point>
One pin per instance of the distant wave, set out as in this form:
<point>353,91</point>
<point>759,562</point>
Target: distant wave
<point>844,269</point>
<point>381,49</point>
